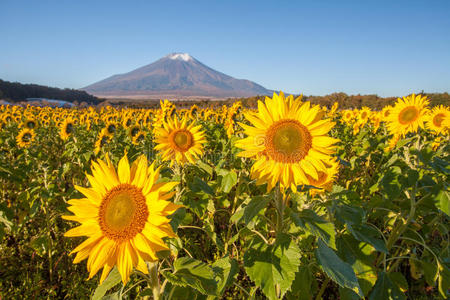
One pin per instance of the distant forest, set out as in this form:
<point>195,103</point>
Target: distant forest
<point>16,92</point>
<point>355,101</point>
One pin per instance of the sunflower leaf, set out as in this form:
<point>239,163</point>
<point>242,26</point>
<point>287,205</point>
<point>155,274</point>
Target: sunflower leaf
<point>194,273</point>
<point>273,265</point>
<point>111,281</point>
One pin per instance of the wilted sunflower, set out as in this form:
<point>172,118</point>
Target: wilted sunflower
<point>66,128</point>
<point>436,117</point>
<point>25,137</point>
<point>407,115</point>
<point>178,141</point>
<point>289,141</point>
<point>124,216</point>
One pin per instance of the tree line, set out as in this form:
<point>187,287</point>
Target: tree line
<point>16,92</point>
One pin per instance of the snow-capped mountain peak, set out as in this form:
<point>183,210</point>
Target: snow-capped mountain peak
<point>180,56</point>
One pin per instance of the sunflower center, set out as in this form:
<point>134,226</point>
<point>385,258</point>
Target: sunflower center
<point>437,120</point>
<point>182,140</point>
<point>69,128</point>
<point>134,131</point>
<point>287,141</point>
<point>31,124</point>
<point>123,212</point>
<point>26,137</point>
<point>408,114</point>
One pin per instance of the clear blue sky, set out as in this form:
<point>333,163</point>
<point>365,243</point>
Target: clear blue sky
<point>390,48</point>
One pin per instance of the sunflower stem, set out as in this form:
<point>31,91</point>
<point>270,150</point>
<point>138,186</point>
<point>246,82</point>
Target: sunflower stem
<point>280,206</point>
<point>154,281</point>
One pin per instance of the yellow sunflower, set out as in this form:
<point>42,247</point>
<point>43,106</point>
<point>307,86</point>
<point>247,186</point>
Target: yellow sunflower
<point>436,117</point>
<point>30,123</point>
<point>325,179</point>
<point>407,115</point>
<point>139,137</point>
<point>178,141</point>
<point>66,128</point>
<point>289,140</point>
<point>103,138</point>
<point>25,137</point>
<point>124,216</point>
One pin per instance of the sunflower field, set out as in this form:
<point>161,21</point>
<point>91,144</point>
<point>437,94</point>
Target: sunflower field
<point>288,200</point>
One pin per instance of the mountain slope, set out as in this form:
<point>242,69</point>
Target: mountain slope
<point>177,75</point>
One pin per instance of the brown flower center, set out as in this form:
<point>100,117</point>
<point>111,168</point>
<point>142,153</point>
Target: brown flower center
<point>287,141</point>
<point>123,212</point>
<point>408,115</point>
<point>437,119</point>
<point>182,140</point>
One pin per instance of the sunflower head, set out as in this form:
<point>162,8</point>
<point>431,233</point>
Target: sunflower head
<point>325,178</point>
<point>124,215</point>
<point>288,139</point>
<point>30,123</point>
<point>179,141</point>
<point>66,128</point>
<point>407,115</point>
<point>25,137</point>
<point>138,138</point>
<point>435,120</point>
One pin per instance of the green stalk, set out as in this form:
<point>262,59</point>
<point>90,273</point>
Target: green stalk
<point>154,281</point>
<point>280,206</point>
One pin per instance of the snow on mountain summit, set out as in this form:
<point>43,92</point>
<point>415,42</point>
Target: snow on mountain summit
<point>180,56</point>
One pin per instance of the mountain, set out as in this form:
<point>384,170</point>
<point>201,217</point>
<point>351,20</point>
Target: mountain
<point>177,75</point>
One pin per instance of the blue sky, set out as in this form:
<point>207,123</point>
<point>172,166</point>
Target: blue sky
<point>389,48</point>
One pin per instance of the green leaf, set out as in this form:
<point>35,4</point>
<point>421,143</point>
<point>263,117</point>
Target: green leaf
<point>273,265</point>
<point>228,181</point>
<point>430,270</point>
<point>361,257</point>
<point>111,281</point>
<point>315,225</point>
<point>365,233</point>
<point>338,270</point>
<point>399,280</point>
<point>249,209</point>
<point>225,270</point>
<point>198,185</point>
<point>193,273</point>
<point>442,201</point>
<point>302,285</point>
<point>386,289</point>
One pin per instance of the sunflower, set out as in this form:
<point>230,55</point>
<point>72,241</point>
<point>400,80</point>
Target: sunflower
<point>347,116</point>
<point>289,141</point>
<point>178,141</point>
<point>436,117</point>
<point>325,179</point>
<point>407,115</point>
<point>30,123</point>
<point>111,127</point>
<point>133,131</point>
<point>124,216</point>
<point>25,137</point>
<point>103,138</point>
<point>66,128</point>
<point>364,115</point>
<point>139,137</point>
